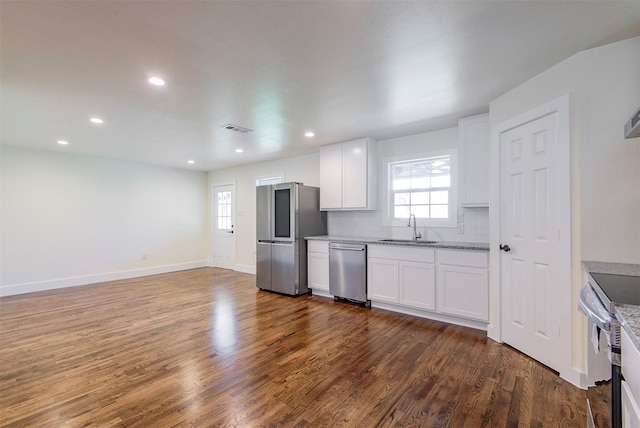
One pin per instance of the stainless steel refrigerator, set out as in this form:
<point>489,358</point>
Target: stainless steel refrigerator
<point>285,214</point>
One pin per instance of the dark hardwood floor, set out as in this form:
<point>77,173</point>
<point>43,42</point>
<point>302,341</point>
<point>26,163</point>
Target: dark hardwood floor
<point>205,348</point>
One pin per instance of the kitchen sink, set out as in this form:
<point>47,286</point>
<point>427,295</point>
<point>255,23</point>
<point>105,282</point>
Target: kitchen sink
<point>408,241</point>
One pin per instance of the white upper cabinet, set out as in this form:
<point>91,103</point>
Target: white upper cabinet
<point>347,175</point>
<point>473,152</point>
<point>331,177</point>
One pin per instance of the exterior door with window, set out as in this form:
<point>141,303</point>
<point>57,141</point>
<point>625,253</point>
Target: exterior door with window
<point>224,232</point>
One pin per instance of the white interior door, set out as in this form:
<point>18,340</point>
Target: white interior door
<point>534,280</point>
<point>224,232</point>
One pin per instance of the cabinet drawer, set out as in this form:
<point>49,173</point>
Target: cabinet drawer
<point>463,258</point>
<point>398,252</point>
<point>318,247</point>
<point>630,364</point>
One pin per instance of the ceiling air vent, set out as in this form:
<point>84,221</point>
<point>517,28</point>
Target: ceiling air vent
<point>237,129</point>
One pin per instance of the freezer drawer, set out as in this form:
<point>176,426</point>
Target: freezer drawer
<point>263,265</point>
<point>283,268</point>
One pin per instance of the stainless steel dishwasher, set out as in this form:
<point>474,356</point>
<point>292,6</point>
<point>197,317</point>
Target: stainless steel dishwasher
<point>348,272</point>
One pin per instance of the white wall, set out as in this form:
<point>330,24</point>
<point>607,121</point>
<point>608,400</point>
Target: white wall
<point>304,169</point>
<point>604,88</point>
<point>70,219</point>
<point>372,224</point>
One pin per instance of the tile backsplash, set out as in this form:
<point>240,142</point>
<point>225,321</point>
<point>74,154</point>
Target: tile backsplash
<point>474,226</point>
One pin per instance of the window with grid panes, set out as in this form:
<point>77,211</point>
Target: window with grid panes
<point>223,207</point>
<point>421,187</point>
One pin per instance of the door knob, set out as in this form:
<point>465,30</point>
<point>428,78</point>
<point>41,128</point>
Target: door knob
<point>230,231</point>
<point>505,248</point>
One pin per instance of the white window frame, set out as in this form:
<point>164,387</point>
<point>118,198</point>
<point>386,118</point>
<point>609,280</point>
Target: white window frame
<point>269,179</point>
<point>452,220</point>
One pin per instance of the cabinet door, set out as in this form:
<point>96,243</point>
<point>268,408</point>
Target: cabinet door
<point>382,280</point>
<point>318,271</point>
<point>473,149</point>
<point>630,408</point>
<point>463,291</point>
<point>631,386</point>
<point>417,285</point>
<point>331,177</point>
<point>354,170</point>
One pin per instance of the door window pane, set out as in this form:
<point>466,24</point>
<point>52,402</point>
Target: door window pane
<point>223,210</point>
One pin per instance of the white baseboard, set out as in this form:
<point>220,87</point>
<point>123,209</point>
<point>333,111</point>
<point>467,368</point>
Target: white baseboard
<point>479,325</point>
<point>245,269</point>
<point>30,287</point>
<point>237,268</point>
<point>493,333</point>
<point>576,377</point>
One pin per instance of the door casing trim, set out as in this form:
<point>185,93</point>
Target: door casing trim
<point>212,219</point>
<point>561,106</point>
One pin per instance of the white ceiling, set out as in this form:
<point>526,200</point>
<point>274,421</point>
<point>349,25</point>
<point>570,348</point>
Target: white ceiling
<point>344,69</point>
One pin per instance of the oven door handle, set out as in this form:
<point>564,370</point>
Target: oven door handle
<point>591,306</point>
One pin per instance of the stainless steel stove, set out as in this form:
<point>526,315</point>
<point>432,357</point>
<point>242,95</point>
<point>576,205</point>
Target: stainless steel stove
<point>616,289</point>
<point>598,300</point>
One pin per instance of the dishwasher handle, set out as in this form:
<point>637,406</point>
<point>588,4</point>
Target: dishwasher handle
<point>346,247</point>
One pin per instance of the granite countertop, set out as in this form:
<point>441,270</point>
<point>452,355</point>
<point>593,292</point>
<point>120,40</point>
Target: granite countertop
<point>628,315</point>
<point>451,245</point>
<point>612,268</point>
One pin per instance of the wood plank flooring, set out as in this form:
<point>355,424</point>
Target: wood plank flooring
<point>205,348</point>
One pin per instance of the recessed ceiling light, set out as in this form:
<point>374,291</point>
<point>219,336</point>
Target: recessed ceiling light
<point>309,134</point>
<point>239,150</point>
<point>96,120</point>
<point>156,81</point>
<point>191,161</point>
<point>62,142</point>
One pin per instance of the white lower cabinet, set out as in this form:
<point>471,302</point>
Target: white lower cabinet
<point>417,285</point>
<point>448,285</point>
<point>631,385</point>
<point>382,280</point>
<point>630,408</point>
<point>401,275</point>
<point>318,265</point>
<point>463,284</point>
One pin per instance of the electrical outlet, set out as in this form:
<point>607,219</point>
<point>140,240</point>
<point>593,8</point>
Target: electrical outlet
<point>461,228</point>
<point>460,216</point>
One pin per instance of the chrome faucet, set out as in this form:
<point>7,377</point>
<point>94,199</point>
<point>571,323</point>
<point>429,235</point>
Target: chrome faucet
<point>416,235</point>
